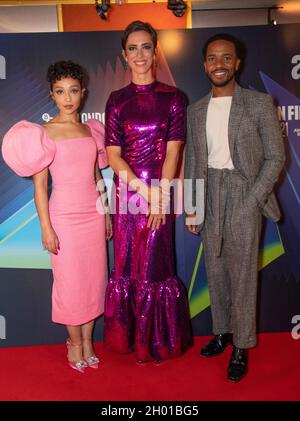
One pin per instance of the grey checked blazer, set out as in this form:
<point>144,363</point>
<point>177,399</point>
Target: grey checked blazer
<point>255,143</point>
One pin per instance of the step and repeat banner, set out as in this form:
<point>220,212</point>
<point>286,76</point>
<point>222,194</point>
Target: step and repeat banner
<point>272,65</point>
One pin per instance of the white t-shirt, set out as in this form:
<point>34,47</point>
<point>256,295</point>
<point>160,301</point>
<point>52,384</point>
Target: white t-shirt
<point>217,132</point>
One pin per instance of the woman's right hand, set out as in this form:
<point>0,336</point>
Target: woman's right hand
<point>50,240</point>
<point>158,202</point>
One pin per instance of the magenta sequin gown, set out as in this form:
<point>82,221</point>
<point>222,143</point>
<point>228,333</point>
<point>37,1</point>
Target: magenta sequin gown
<point>146,307</point>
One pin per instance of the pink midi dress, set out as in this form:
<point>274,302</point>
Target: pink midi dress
<point>80,267</point>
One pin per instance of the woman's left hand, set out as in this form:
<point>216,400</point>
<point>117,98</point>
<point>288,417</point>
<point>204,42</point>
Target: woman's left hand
<point>108,226</point>
<point>156,220</point>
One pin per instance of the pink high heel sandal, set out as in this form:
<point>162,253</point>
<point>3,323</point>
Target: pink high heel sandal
<point>93,361</point>
<point>76,365</point>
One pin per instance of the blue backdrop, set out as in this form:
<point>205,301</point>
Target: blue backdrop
<point>272,65</point>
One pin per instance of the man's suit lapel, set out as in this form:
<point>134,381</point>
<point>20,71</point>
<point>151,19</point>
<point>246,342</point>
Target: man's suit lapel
<point>199,123</point>
<point>235,117</point>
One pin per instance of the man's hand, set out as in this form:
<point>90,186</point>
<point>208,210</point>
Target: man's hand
<point>192,228</point>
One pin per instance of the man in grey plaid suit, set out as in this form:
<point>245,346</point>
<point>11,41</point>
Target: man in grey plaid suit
<point>235,145</point>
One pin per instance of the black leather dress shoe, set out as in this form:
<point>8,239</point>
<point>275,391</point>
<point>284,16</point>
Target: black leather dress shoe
<point>158,362</point>
<point>238,364</point>
<point>216,345</point>
<point>155,362</point>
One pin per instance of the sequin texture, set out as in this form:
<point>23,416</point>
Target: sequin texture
<point>146,307</point>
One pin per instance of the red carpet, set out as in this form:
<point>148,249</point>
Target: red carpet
<point>41,373</point>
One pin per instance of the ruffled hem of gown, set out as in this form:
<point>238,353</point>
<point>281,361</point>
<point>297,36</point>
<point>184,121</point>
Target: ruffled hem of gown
<point>150,318</point>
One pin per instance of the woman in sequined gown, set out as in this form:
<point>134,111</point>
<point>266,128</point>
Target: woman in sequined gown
<point>146,307</point>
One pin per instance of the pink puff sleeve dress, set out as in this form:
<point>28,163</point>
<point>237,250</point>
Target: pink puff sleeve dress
<point>80,267</point>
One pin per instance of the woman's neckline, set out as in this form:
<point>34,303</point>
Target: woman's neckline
<point>66,139</point>
<point>143,88</point>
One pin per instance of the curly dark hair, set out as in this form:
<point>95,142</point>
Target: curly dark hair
<point>62,69</point>
<point>138,25</point>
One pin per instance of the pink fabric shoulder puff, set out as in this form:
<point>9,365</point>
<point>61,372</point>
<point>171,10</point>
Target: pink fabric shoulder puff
<point>98,133</point>
<point>26,148</point>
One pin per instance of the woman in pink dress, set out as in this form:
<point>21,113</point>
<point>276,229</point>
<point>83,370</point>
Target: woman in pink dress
<point>73,221</point>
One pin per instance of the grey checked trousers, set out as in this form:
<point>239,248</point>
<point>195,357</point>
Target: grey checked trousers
<point>231,235</point>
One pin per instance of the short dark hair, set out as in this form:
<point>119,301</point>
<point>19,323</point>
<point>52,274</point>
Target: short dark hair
<point>239,47</point>
<point>138,25</point>
<point>62,69</point>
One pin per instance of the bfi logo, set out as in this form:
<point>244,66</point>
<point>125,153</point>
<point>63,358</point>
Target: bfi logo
<point>2,327</point>
<point>2,67</point>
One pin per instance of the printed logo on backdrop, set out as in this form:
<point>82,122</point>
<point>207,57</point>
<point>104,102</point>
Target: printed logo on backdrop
<point>2,327</point>
<point>84,117</point>
<point>296,69</point>
<point>288,107</point>
<point>95,116</point>
<point>288,114</point>
<point>2,67</point>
